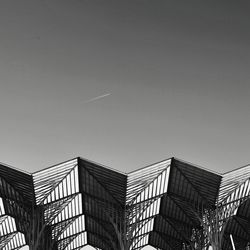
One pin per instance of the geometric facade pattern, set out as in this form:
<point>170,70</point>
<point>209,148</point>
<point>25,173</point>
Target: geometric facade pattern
<point>170,205</point>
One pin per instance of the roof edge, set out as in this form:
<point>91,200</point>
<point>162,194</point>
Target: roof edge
<point>122,172</point>
<point>198,166</point>
<point>15,168</point>
<point>238,168</point>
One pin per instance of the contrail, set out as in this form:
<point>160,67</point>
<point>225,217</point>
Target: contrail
<point>98,97</point>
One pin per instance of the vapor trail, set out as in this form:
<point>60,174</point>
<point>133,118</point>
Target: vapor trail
<point>98,97</point>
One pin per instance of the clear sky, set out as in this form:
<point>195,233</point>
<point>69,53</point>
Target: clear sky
<point>124,83</point>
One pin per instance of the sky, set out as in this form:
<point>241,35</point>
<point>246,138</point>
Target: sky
<point>124,83</point>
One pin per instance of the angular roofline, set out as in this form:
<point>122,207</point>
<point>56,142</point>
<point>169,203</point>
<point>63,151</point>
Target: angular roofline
<point>178,159</point>
<point>198,166</point>
<point>84,159</point>
<point>122,172</point>
<point>238,168</point>
<point>104,166</point>
<point>149,165</point>
<point>15,168</point>
<point>54,165</point>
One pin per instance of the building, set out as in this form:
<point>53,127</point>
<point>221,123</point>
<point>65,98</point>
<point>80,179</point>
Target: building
<point>170,205</point>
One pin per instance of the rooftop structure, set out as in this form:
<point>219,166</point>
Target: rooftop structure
<point>170,205</point>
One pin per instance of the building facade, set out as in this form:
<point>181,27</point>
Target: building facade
<point>170,205</point>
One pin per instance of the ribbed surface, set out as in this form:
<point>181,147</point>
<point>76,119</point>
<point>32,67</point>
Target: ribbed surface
<point>113,181</point>
<point>46,180</point>
<point>19,180</point>
<point>201,182</point>
<point>140,179</point>
<point>16,195</point>
<point>231,180</point>
<point>86,203</point>
<point>244,211</point>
